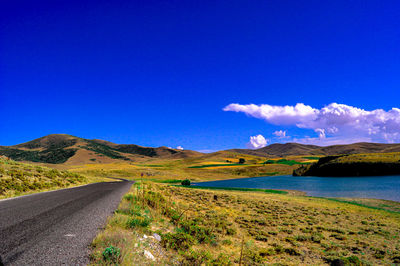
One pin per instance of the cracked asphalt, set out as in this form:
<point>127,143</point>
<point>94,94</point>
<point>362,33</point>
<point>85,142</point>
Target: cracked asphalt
<point>56,227</point>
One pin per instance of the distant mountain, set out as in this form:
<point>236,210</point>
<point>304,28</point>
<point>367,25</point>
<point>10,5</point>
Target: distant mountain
<point>67,149</point>
<point>62,148</point>
<point>281,150</point>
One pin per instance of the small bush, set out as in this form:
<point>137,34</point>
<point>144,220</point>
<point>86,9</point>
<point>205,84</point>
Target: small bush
<point>177,241</point>
<point>292,251</point>
<point>185,182</point>
<point>111,254</point>
<point>230,231</point>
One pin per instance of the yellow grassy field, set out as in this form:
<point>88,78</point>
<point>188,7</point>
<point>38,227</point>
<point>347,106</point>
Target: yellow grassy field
<point>195,169</point>
<point>205,227</point>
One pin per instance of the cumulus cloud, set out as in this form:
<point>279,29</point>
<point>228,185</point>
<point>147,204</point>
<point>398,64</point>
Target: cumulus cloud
<point>179,148</point>
<point>280,134</point>
<point>321,133</point>
<point>337,121</point>
<point>257,142</point>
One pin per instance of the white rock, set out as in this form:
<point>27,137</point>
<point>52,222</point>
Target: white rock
<point>157,237</point>
<point>144,236</point>
<point>149,255</point>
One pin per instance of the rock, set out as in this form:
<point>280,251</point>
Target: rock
<point>149,255</point>
<point>144,236</point>
<point>157,237</point>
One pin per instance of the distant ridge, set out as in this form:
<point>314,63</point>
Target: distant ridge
<point>67,149</point>
<point>63,148</point>
<point>281,150</point>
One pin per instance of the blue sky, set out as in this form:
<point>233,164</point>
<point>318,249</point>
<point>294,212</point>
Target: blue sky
<point>161,72</point>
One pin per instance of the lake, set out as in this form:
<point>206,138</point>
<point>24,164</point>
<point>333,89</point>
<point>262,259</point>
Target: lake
<point>378,187</point>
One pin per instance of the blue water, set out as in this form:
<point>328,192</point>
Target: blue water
<point>377,187</point>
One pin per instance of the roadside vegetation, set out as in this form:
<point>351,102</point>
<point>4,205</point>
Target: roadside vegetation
<point>221,227</point>
<point>19,178</point>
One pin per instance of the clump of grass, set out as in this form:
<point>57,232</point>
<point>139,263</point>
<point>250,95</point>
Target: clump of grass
<point>138,222</point>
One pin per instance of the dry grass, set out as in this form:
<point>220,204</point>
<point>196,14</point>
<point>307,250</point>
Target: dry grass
<point>391,157</point>
<point>212,227</point>
<point>21,178</point>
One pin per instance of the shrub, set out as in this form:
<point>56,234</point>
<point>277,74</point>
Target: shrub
<point>177,241</point>
<point>185,182</point>
<point>292,251</point>
<point>111,254</point>
<point>138,222</point>
<point>230,231</point>
<point>352,260</point>
<point>201,233</point>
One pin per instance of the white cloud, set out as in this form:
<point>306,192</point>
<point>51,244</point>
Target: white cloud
<point>338,121</point>
<point>280,134</point>
<point>257,142</point>
<point>179,148</point>
<point>321,133</point>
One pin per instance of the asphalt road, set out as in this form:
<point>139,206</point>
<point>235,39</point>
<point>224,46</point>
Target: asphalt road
<point>56,228</point>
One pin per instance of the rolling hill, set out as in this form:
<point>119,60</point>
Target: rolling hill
<point>71,150</point>
<point>62,148</point>
<point>367,164</point>
<point>287,149</point>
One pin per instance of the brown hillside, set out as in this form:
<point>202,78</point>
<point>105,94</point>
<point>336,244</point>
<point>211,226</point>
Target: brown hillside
<point>62,148</point>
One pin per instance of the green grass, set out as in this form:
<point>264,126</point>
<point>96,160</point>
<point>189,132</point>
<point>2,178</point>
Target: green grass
<point>283,161</point>
<point>238,189</point>
<point>215,165</point>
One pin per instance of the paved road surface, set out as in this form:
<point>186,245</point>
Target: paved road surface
<point>55,228</point>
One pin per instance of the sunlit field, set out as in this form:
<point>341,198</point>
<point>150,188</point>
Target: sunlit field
<point>248,228</point>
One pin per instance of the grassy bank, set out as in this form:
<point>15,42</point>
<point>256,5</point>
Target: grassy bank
<point>19,178</point>
<point>373,164</point>
<point>222,227</point>
<point>273,191</point>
